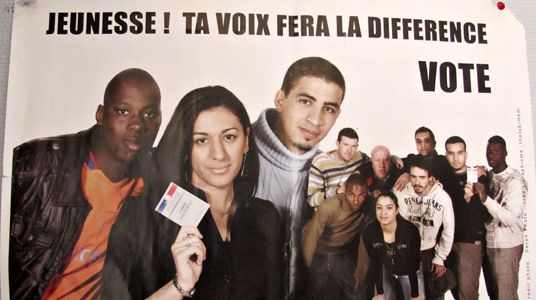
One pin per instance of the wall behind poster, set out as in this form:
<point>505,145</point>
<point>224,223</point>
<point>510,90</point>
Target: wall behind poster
<point>375,73</point>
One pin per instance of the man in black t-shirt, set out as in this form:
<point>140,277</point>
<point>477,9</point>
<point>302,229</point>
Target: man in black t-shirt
<point>441,170</point>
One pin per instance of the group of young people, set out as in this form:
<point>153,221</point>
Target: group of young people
<point>83,220</point>
<point>434,224</point>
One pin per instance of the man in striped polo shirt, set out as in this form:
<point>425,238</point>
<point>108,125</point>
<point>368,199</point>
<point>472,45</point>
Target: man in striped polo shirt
<point>330,170</point>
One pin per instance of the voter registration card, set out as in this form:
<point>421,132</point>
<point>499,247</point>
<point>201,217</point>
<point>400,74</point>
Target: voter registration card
<point>181,207</point>
<point>472,174</point>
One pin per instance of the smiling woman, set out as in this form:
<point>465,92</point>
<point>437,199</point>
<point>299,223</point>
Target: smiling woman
<point>393,245</point>
<point>207,149</point>
<point>218,149</point>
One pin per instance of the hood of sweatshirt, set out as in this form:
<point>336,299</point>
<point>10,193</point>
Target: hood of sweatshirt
<point>272,149</point>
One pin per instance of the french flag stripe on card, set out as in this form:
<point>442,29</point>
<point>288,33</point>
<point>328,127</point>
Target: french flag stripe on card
<point>171,189</point>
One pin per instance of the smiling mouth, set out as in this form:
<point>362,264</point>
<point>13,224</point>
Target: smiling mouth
<point>310,133</point>
<point>220,169</point>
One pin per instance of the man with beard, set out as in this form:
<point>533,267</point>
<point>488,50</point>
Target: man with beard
<point>428,206</point>
<point>287,137</point>
<point>425,143</point>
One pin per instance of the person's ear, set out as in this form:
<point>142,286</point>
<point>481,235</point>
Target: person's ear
<point>99,115</point>
<point>279,100</point>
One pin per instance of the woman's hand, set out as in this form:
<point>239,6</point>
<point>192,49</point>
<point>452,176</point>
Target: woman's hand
<point>189,252</point>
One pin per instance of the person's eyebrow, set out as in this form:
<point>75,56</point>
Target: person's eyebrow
<point>307,96</point>
<point>330,103</point>
<point>334,104</point>
<point>223,131</point>
<point>229,129</point>
<point>119,102</point>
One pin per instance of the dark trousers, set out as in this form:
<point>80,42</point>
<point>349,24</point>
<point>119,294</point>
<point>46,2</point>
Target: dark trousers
<point>426,263</point>
<point>331,277</point>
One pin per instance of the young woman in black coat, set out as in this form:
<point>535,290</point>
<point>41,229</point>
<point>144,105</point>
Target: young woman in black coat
<point>393,245</point>
<point>236,250</point>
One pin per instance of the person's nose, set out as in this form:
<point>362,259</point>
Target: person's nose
<point>315,116</point>
<point>217,150</point>
<point>135,122</point>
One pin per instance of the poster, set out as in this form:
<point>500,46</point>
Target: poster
<point>458,68</point>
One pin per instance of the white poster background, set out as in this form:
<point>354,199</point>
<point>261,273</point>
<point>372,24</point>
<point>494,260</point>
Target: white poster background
<point>57,81</point>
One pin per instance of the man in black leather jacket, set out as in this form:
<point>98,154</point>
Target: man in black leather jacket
<point>55,198</point>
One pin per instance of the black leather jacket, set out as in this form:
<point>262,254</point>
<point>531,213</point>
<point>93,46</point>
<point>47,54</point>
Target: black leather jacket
<point>406,259</point>
<point>48,210</point>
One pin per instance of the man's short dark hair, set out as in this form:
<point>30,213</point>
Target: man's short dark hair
<point>314,67</point>
<point>138,76</point>
<point>422,163</point>
<point>455,140</point>
<point>347,132</point>
<point>356,179</point>
<point>426,129</point>
<point>496,139</point>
